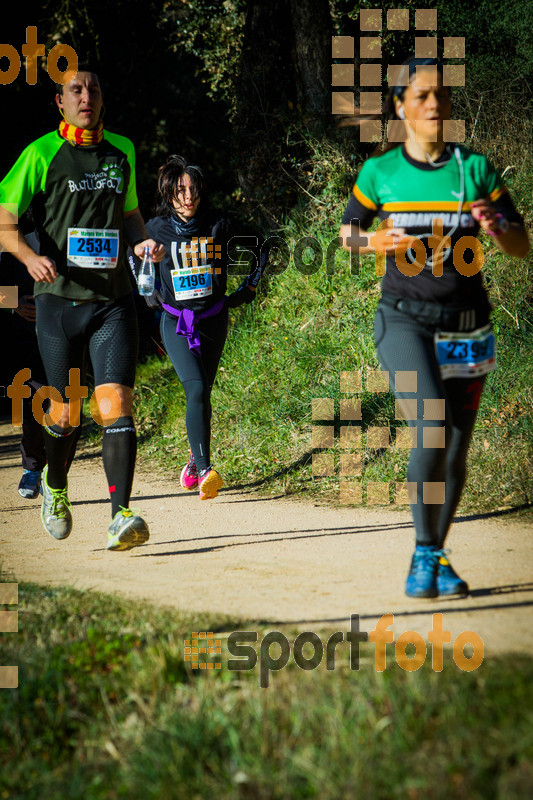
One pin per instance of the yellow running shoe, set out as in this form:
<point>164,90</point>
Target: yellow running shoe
<point>56,514</point>
<point>209,482</point>
<point>127,531</point>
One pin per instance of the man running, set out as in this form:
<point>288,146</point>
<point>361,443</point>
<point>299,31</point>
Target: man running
<point>24,352</point>
<point>80,181</point>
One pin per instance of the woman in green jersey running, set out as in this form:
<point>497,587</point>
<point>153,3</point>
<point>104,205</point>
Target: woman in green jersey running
<point>432,327</point>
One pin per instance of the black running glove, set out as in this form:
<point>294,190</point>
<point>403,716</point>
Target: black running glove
<point>241,295</point>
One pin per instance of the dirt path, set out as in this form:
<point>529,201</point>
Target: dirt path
<point>275,560</point>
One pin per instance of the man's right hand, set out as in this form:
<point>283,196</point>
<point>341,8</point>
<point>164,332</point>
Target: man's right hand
<point>42,269</point>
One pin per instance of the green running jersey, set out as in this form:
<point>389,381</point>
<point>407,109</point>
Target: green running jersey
<point>77,187</point>
<point>413,194</point>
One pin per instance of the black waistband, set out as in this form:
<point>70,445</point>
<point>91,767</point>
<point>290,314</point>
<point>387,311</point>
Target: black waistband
<point>441,316</point>
<point>58,301</point>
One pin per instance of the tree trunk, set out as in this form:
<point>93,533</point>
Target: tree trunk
<point>312,31</point>
<point>284,74</point>
<point>264,87</point>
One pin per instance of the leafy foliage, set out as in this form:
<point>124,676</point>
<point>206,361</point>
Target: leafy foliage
<point>213,32</point>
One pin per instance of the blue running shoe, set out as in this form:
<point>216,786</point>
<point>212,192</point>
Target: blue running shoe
<point>30,484</point>
<point>448,581</point>
<point>422,578</point>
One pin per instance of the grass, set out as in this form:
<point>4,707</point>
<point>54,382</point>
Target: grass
<point>108,708</point>
<point>291,347</point>
<point>310,324</point>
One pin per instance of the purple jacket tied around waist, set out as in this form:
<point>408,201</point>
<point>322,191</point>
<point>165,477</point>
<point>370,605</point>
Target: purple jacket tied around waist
<point>188,320</point>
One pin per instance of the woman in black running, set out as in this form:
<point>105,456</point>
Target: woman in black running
<point>194,322</point>
<point>433,333</point>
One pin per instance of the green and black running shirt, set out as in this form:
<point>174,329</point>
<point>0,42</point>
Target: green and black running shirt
<point>413,194</point>
<point>77,187</point>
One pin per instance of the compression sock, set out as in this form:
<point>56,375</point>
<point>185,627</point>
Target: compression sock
<point>58,446</point>
<point>74,439</point>
<point>119,448</point>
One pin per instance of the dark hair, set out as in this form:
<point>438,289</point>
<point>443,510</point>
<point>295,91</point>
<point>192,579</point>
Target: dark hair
<point>169,175</point>
<point>396,93</point>
<point>85,67</point>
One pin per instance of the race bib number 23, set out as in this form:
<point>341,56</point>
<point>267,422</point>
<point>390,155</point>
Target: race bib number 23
<point>462,355</point>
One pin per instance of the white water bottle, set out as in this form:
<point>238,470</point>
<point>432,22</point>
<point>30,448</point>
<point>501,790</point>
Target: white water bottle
<point>146,278</point>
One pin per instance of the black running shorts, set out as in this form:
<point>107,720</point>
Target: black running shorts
<point>68,332</point>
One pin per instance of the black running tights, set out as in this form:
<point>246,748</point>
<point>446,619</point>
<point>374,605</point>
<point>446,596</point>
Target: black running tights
<point>444,414</point>
<point>197,375</point>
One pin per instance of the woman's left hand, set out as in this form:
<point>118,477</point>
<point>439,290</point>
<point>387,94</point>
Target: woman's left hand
<point>157,251</point>
<point>244,294</point>
<point>509,237</point>
<point>486,215</point>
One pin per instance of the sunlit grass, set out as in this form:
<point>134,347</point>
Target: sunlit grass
<point>107,708</point>
<point>291,346</point>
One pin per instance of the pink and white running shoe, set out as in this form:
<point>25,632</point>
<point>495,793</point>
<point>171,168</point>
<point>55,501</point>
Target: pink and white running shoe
<point>189,475</point>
